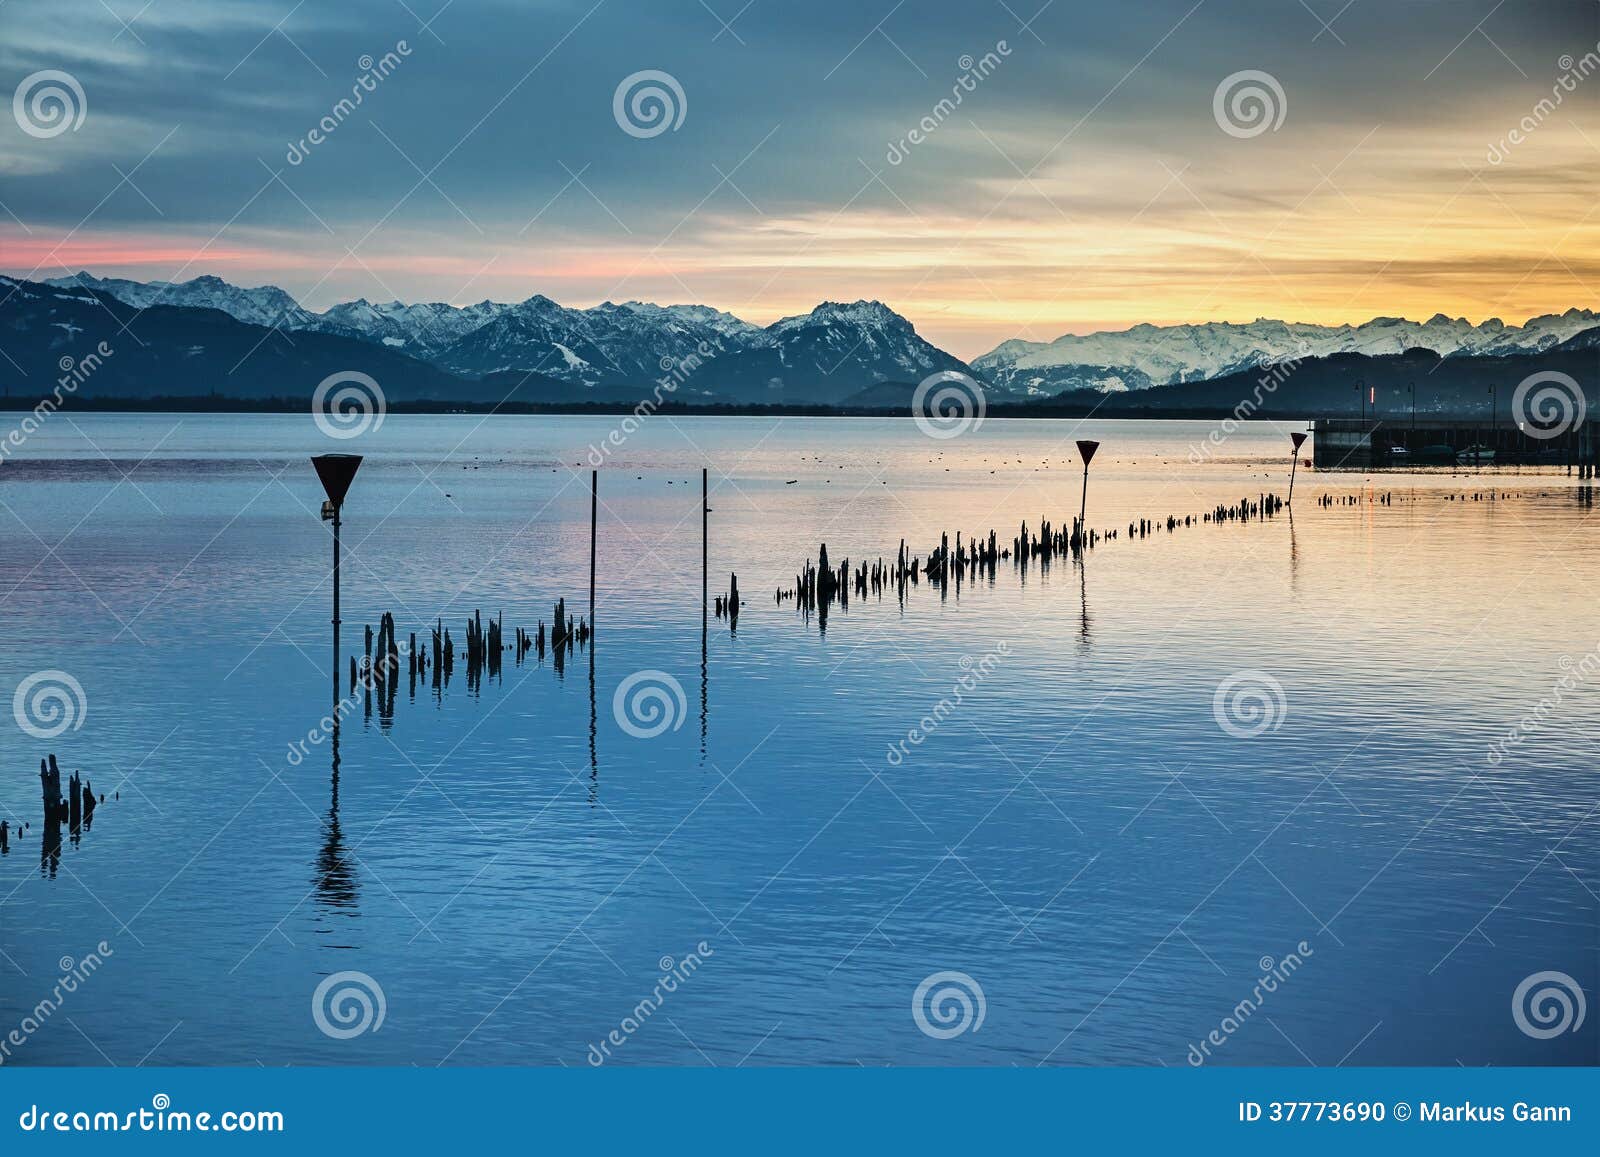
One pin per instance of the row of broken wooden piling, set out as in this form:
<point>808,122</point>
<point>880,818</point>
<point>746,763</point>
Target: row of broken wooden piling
<point>819,585</point>
<point>482,653</point>
<point>1384,499</point>
<point>75,808</point>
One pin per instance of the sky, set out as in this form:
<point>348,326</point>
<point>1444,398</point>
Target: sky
<point>1094,174</point>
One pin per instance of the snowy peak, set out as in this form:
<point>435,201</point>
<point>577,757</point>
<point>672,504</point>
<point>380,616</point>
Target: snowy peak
<point>697,318</point>
<point>862,314</point>
<point>633,343</point>
<point>422,329</point>
<point>263,305</point>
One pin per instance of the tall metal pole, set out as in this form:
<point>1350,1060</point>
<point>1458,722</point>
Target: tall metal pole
<point>336,472</point>
<point>594,512</point>
<point>1086,449</point>
<point>705,542</point>
<point>705,561</point>
<point>1083,507</point>
<point>1298,439</point>
<point>336,556</point>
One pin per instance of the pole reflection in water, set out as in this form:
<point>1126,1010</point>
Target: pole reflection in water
<point>335,882</point>
<point>1083,597</point>
<point>594,754</point>
<point>1294,556</point>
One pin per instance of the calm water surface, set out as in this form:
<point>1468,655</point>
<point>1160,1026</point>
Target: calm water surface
<point>514,868</point>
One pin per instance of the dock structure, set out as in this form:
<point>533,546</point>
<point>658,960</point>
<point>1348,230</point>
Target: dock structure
<point>1399,442</point>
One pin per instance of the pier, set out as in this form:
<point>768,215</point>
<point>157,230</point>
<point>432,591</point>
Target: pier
<point>1401,441</point>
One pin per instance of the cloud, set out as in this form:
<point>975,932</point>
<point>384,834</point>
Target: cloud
<point>1083,181</point>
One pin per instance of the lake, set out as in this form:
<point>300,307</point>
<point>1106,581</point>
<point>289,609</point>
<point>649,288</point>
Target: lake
<point>1253,783</point>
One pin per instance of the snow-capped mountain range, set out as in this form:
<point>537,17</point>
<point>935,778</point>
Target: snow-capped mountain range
<point>630,343</point>
<point>266,305</point>
<point>823,356</point>
<point>1148,355</point>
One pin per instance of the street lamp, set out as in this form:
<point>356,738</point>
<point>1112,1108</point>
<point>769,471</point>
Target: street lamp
<point>1086,449</point>
<point>336,471</point>
<point>1298,438</point>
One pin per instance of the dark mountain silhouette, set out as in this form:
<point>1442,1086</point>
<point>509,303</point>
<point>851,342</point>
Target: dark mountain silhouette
<point>179,352</point>
<point>1343,384</point>
<point>860,357</point>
